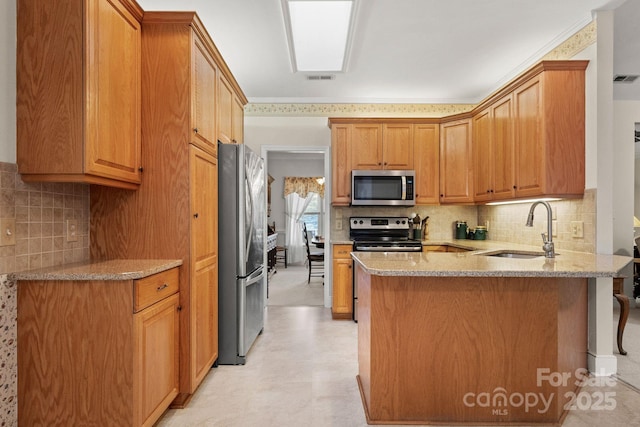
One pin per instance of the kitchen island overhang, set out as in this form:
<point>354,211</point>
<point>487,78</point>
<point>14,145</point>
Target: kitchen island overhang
<point>441,345</point>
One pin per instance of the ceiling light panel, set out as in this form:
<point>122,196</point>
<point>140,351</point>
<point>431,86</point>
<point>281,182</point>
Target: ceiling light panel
<point>319,33</point>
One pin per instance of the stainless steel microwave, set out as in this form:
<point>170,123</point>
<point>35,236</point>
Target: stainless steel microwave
<point>383,188</point>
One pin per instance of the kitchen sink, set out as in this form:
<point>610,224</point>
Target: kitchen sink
<point>517,254</point>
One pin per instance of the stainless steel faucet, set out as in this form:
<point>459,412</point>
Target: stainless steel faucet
<point>549,251</point>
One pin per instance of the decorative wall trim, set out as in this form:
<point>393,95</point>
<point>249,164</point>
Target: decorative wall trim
<point>566,50</point>
<point>576,43</point>
<point>356,110</point>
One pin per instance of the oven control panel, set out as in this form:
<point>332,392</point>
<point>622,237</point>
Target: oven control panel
<point>379,223</point>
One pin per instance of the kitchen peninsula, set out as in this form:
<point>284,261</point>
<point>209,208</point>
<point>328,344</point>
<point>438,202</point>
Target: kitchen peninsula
<point>467,337</point>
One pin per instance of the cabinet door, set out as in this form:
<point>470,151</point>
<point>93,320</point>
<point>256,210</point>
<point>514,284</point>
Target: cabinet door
<point>113,90</point>
<point>529,144</point>
<point>204,263</point>
<point>342,305</point>
<point>397,146</point>
<point>503,150</point>
<point>156,338</point>
<point>225,102</point>
<point>204,320</point>
<point>204,208</point>
<point>237,116</point>
<point>426,161</point>
<point>341,165</point>
<point>203,97</point>
<point>455,162</point>
<point>366,146</point>
<point>483,156</point>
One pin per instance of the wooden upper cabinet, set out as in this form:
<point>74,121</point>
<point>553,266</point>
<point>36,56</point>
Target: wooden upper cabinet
<point>382,146</point>
<point>225,103</point>
<point>426,162</point>
<point>456,162</point>
<point>537,131</point>
<point>503,149</point>
<point>397,146</point>
<point>237,119</point>
<point>203,96</point>
<point>493,152</point>
<point>530,151</point>
<point>482,156</point>
<point>366,146</point>
<point>83,125</point>
<point>341,164</point>
<point>230,114</point>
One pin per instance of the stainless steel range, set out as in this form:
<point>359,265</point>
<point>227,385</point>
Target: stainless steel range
<point>380,234</point>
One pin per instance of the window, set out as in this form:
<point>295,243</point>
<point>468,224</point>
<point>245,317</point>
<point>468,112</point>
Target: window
<point>313,215</point>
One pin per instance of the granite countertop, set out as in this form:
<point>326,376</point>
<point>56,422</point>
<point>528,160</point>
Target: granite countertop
<point>475,262</point>
<point>117,269</point>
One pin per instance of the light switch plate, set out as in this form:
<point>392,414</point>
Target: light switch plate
<point>72,230</point>
<point>577,229</point>
<point>7,232</point>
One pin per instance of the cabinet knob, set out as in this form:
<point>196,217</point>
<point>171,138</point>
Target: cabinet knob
<point>140,169</point>
<point>179,308</point>
<point>379,163</point>
<point>195,130</point>
<point>515,188</point>
<point>161,287</point>
<point>488,191</point>
<point>195,215</point>
<point>442,195</point>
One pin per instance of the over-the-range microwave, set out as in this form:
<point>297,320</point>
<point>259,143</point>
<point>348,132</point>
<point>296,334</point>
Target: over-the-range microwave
<point>383,188</point>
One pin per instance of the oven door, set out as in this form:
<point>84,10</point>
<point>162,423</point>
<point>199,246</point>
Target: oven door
<point>382,188</point>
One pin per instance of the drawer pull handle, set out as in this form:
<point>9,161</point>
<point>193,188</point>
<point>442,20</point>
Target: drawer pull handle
<point>161,287</point>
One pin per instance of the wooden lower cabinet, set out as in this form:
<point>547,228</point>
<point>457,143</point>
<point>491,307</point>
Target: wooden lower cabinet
<point>342,302</point>
<point>97,352</point>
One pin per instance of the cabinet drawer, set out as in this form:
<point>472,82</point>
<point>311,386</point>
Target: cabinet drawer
<point>151,289</point>
<point>342,251</point>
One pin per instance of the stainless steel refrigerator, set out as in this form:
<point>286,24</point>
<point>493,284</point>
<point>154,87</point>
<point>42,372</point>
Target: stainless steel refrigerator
<point>242,234</point>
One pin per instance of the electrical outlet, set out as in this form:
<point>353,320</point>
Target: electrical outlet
<point>338,224</point>
<point>577,229</point>
<point>7,232</point>
<point>72,230</point>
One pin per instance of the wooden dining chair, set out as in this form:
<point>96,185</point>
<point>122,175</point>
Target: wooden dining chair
<point>315,260</point>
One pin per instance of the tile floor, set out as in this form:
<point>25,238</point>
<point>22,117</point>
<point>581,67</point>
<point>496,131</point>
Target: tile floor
<point>301,372</point>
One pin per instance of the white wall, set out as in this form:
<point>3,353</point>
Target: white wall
<point>8,81</point>
<point>280,131</point>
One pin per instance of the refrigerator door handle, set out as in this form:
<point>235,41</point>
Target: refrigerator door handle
<point>250,236</point>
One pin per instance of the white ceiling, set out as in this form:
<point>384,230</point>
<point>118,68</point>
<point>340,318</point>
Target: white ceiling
<point>410,51</point>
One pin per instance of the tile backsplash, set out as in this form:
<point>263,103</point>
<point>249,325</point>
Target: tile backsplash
<point>506,223</point>
<point>41,211</point>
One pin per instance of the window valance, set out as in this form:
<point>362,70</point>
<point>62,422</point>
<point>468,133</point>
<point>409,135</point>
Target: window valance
<point>303,185</point>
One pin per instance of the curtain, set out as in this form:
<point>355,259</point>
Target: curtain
<point>294,208</point>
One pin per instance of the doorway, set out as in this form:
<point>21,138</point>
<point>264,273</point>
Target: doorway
<point>300,161</point>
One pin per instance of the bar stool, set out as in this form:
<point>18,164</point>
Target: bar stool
<point>281,254</point>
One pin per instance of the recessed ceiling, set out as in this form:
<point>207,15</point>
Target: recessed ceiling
<point>408,51</point>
